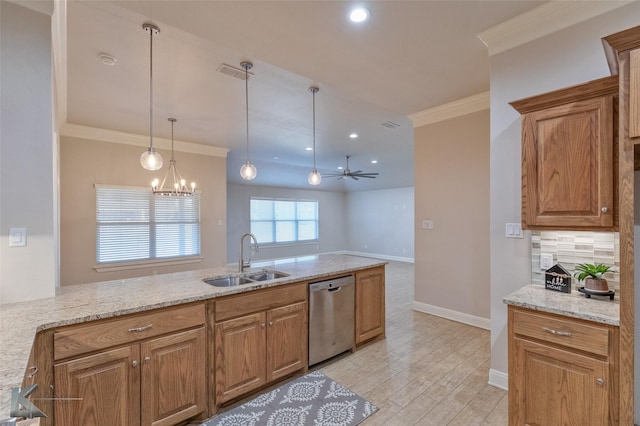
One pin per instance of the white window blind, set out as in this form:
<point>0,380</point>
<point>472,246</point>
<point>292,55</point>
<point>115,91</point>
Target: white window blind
<point>133,224</point>
<point>284,221</point>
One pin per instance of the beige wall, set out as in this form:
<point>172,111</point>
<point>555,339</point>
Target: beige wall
<point>452,189</point>
<point>28,155</point>
<point>84,163</point>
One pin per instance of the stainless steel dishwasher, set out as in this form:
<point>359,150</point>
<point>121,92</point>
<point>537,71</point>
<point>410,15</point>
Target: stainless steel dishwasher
<point>331,317</point>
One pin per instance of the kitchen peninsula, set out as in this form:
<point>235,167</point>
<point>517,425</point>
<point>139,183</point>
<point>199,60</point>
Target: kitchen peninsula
<point>20,323</point>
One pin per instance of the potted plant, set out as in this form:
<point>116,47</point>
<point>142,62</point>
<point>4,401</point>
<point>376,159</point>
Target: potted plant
<point>592,276</point>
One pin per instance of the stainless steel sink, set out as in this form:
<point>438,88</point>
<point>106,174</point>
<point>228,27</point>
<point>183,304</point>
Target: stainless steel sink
<point>249,278</point>
<point>227,281</point>
<point>266,275</point>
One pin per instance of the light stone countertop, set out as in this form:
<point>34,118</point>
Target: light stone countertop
<point>575,304</point>
<point>19,322</point>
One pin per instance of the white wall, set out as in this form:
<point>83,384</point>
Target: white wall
<point>381,223</point>
<point>331,216</point>
<point>565,58</point>
<point>28,156</point>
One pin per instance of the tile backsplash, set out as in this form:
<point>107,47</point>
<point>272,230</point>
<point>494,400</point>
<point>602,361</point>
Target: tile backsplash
<point>570,248</point>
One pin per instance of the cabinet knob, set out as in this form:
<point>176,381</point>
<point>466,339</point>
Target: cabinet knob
<point>270,323</point>
<point>147,359</point>
<point>134,363</point>
<point>604,210</point>
<point>262,325</point>
<point>600,381</point>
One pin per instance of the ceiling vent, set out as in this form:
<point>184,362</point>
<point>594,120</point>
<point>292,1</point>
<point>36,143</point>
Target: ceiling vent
<point>390,125</point>
<point>233,71</point>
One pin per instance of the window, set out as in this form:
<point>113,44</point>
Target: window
<point>284,221</point>
<point>133,224</point>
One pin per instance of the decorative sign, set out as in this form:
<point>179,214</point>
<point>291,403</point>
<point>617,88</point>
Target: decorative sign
<point>557,278</point>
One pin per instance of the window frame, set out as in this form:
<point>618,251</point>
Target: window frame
<point>152,260</point>
<point>274,222</point>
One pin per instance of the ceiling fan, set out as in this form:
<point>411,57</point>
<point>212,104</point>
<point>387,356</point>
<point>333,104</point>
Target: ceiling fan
<point>353,175</point>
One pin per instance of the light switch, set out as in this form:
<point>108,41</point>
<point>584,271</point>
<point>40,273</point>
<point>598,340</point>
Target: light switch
<point>513,230</point>
<point>17,237</point>
<point>427,224</point>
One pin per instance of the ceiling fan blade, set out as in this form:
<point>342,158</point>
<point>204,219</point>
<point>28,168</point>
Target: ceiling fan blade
<point>332,174</point>
<point>366,176</point>
<point>356,172</point>
<point>353,177</point>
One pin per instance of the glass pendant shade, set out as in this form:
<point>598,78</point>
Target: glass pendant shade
<point>314,177</point>
<point>248,171</point>
<point>151,160</point>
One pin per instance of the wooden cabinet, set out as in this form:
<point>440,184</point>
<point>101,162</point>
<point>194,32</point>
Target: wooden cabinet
<point>370,304</point>
<point>568,164</point>
<point>561,370</point>
<point>260,337</point>
<point>156,381</point>
<point>634,93</point>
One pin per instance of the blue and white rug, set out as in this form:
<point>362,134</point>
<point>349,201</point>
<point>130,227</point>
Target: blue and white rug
<point>314,399</point>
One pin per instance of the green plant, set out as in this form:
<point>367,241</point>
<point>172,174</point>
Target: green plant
<point>589,270</point>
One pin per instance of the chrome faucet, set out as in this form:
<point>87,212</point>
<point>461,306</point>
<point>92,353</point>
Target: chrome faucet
<point>241,263</point>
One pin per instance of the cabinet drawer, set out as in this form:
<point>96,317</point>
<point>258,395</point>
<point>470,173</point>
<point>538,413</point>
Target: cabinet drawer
<point>562,331</point>
<point>262,300</point>
<point>104,334</point>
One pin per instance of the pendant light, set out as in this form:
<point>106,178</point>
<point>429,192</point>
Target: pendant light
<point>150,159</point>
<point>314,176</point>
<point>247,171</point>
<point>179,187</point>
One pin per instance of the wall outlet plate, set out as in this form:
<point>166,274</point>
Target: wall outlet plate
<point>546,261</point>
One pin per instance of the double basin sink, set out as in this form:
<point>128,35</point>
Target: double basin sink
<point>249,278</point>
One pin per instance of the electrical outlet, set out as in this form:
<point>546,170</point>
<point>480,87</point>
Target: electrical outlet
<point>546,261</point>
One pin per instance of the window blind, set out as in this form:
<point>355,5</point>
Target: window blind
<point>133,224</point>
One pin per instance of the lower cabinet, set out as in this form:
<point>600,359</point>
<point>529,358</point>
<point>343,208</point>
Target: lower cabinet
<point>561,370</point>
<point>257,348</point>
<point>158,381</point>
<point>370,304</point>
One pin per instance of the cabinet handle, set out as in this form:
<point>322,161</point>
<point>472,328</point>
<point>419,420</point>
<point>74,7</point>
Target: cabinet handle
<point>604,210</point>
<point>556,332</point>
<point>34,371</point>
<point>143,328</point>
<point>134,363</point>
<point>262,325</point>
<point>147,359</point>
<point>600,381</point>
<point>270,323</point>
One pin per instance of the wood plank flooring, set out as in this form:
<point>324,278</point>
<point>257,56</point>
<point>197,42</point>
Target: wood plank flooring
<point>428,370</point>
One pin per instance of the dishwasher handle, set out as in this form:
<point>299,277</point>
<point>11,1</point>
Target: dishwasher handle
<point>332,284</point>
<point>335,289</point>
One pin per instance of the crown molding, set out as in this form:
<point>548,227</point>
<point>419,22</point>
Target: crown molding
<point>453,109</point>
<point>114,136</point>
<point>543,20</point>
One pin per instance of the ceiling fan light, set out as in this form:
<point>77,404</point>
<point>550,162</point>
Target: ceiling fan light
<point>314,177</point>
<point>248,171</point>
<point>151,160</point>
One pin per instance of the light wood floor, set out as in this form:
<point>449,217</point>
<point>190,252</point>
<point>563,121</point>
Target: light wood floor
<point>428,370</point>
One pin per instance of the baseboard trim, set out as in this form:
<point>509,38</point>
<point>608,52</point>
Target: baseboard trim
<point>379,256</point>
<point>473,320</point>
<point>498,379</point>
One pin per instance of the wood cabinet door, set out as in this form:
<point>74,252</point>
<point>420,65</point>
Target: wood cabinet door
<point>555,387</point>
<point>370,304</point>
<point>287,342</point>
<point>567,165</point>
<point>108,384</point>
<point>634,93</point>
<point>173,378</point>
<point>240,356</point>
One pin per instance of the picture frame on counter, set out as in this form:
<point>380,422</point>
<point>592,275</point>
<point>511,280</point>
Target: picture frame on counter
<point>557,278</point>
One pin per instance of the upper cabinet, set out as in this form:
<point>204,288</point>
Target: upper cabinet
<point>568,161</point>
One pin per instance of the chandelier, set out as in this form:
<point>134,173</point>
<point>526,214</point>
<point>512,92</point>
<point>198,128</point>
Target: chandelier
<point>179,188</point>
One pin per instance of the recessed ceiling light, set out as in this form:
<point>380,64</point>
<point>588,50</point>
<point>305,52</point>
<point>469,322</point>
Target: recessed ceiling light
<point>276,158</point>
<point>374,161</point>
<point>359,14</point>
<point>308,148</point>
<point>107,59</point>
<point>353,135</point>
<point>340,167</point>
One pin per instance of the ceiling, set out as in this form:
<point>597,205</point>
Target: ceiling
<point>408,57</point>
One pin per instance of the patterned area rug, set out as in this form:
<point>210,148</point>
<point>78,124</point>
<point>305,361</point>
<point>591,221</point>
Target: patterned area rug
<point>313,399</point>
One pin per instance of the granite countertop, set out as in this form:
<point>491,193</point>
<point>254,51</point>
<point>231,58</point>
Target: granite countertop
<point>19,322</point>
<point>597,308</point>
